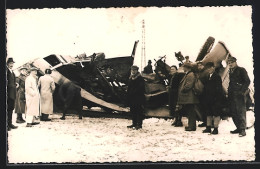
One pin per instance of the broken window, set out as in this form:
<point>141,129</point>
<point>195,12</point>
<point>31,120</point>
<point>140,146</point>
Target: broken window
<point>53,60</point>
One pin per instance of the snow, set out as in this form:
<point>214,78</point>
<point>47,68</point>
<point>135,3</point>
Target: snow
<point>99,140</point>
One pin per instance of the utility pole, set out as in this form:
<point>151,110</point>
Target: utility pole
<point>143,58</point>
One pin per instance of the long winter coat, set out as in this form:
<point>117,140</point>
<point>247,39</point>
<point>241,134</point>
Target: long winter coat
<point>136,90</point>
<point>32,96</point>
<point>11,85</point>
<point>20,96</point>
<point>185,92</point>
<point>70,96</point>
<point>213,93</point>
<point>47,87</point>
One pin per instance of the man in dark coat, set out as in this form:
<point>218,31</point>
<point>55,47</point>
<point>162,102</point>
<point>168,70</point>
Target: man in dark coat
<point>20,97</point>
<point>136,98</point>
<point>71,98</point>
<point>238,86</point>
<point>186,97</point>
<point>202,75</point>
<point>148,69</point>
<point>212,98</point>
<point>11,93</point>
<point>175,78</point>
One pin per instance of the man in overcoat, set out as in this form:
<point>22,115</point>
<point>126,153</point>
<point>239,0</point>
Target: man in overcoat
<point>174,81</point>
<point>32,96</point>
<point>20,96</point>
<point>186,97</point>
<point>11,93</point>
<point>47,87</point>
<point>202,75</point>
<point>238,86</point>
<point>71,98</point>
<point>212,98</point>
<point>136,98</point>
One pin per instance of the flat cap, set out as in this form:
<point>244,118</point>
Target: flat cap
<point>33,69</point>
<point>232,59</point>
<point>134,67</point>
<point>209,64</point>
<point>23,68</point>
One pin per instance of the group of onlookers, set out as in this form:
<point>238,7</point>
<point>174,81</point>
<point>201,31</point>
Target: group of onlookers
<point>33,96</point>
<point>210,103</point>
<point>29,95</point>
<point>183,100</point>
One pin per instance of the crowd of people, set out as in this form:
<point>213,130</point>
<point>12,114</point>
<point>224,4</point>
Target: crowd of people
<point>183,99</point>
<point>29,95</point>
<point>33,96</point>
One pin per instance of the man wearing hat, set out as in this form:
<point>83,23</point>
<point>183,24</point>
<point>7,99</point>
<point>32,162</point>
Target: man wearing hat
<point>213,93</point>
<point>11,92</point>
<point>148,69</point>
<point>238,85</point>
<point>20,97</point>
<point>186,97</point>
<point>136,98</point>
<point>187,59</point>
<point>32,96</point>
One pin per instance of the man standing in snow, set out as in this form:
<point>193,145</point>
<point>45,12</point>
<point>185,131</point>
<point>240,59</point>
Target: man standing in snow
<point>32,96</point>
<point>47,87</point>
<point>11,93</point>
<point>212,98</point>
<point>186,96</point>
<point>238,86</point>
<point>20,97</point>
<point>71,98</point>
<point>136,98</point>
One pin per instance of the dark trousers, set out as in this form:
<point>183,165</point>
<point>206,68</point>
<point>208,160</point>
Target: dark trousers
<point>172,103</point>
<point>190,110</point>
<point>10,108</point>
<point>137,115</point>
<point>238,111</point>
<point>76,104</point>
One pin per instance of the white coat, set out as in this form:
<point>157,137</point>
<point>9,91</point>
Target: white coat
<point>32,96</point>
<point>47,87</point>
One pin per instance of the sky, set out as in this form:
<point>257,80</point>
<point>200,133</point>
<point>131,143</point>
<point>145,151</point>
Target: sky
<point>36,33</point>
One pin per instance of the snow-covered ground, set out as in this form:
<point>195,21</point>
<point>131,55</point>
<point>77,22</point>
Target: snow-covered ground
<point>98,140</point>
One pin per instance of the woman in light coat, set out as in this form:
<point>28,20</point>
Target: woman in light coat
<point>47,87</point>
<point>32,96</point>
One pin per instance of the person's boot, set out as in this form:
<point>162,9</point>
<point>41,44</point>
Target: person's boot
<point>178,122</point>
<point>207,130</point>
<point>242,133</point>
<point>13,126</point>
<point>63,117</point>
<point>235,131</point>
<point>29,125</point>
<point>80,116</point>
<point>215,131</point>
<point>202,125</point>
<point>19,118</point>
<point>131,126</point>
<point>174,123</point>
<point>45,117</point>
